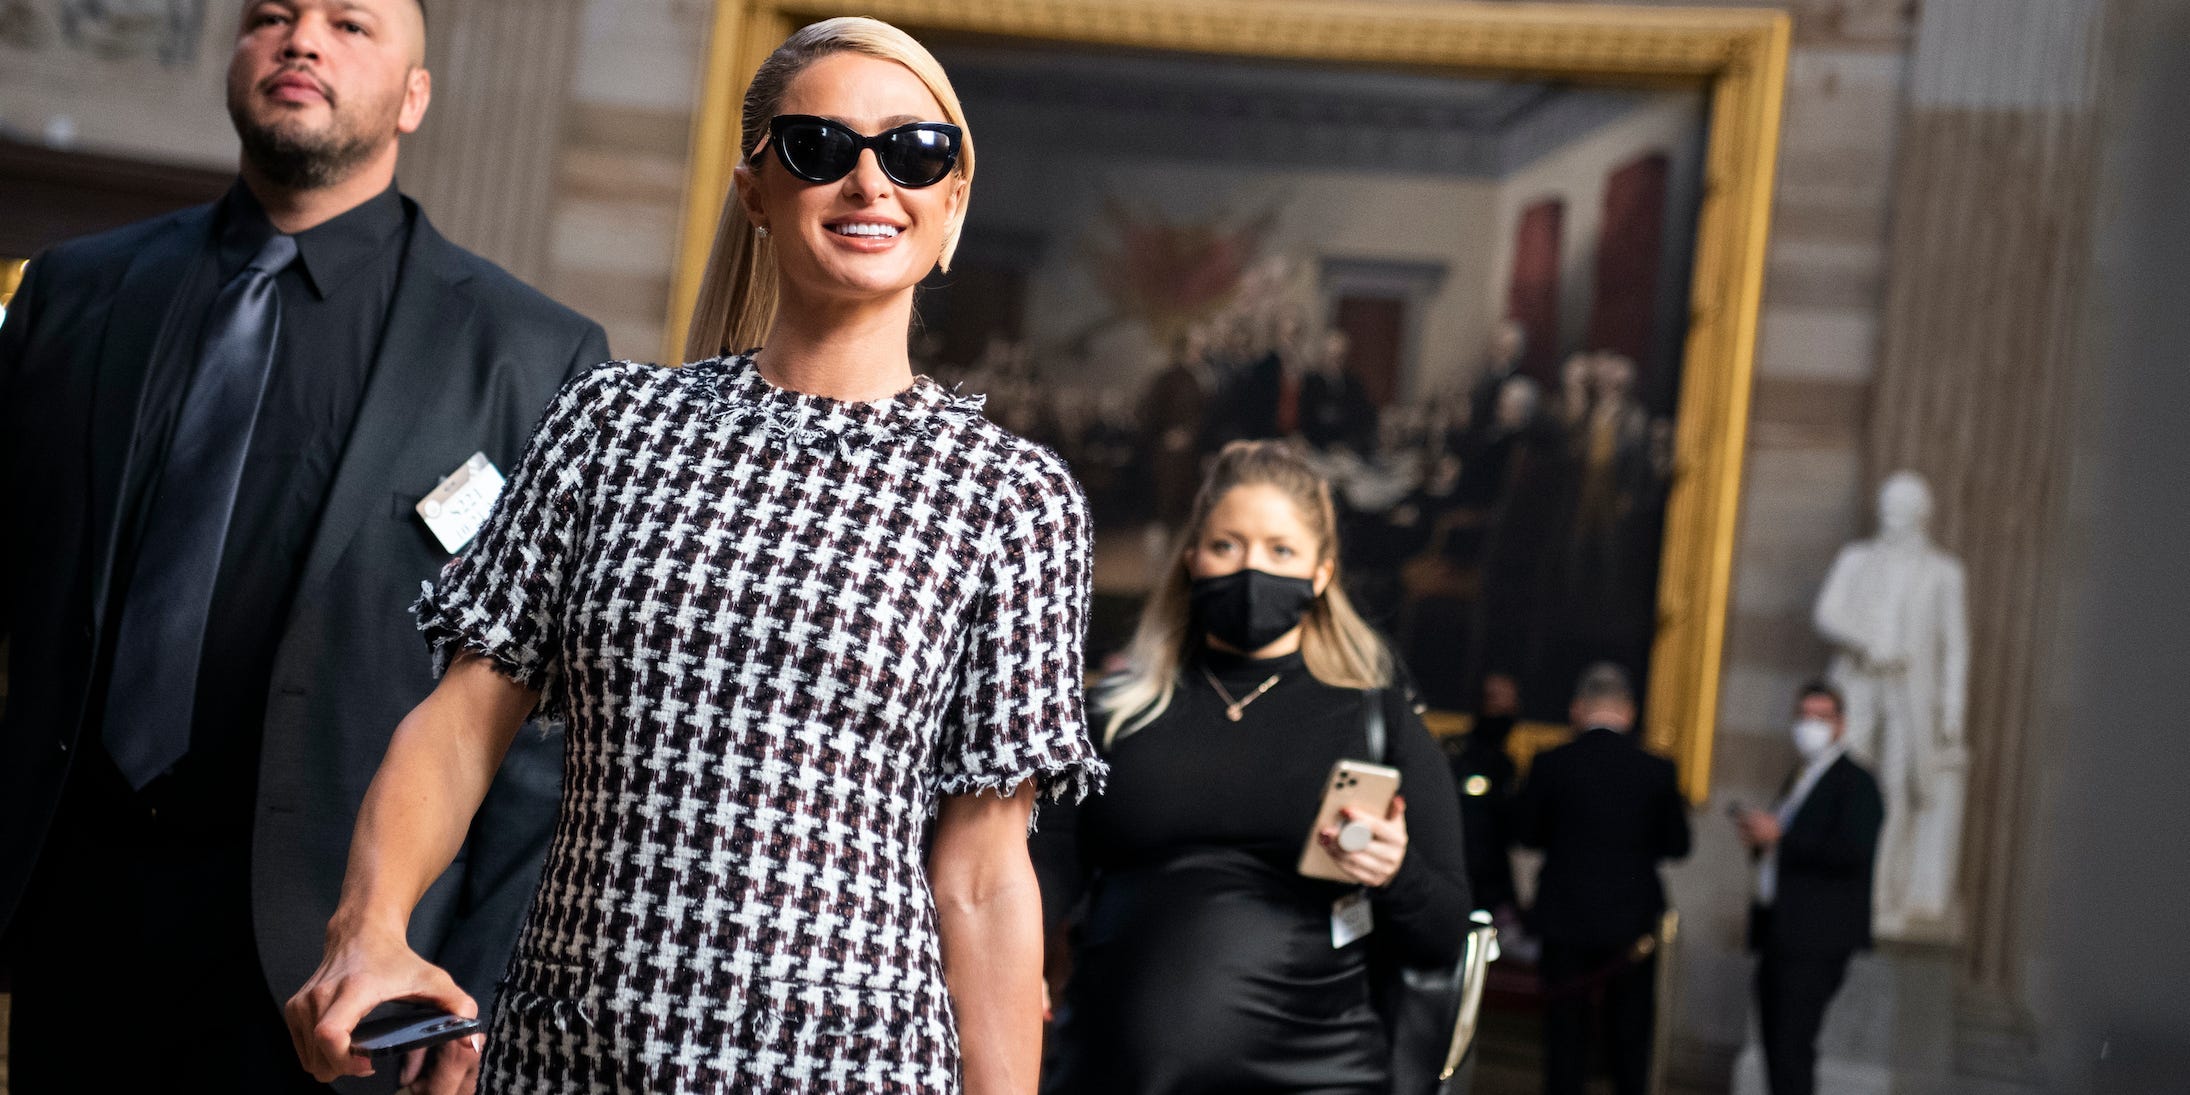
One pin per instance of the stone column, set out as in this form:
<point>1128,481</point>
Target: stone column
<point>1979,350</point>
<point>485,163</point>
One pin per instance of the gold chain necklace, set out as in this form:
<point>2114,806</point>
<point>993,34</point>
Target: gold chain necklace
<point>1232,707</point>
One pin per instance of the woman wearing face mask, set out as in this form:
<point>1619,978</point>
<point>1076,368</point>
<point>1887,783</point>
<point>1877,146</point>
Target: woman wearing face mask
<point>815,626</point>
<point>1204,962</point>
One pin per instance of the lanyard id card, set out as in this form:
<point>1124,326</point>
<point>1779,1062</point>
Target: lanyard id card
<point>1351,919</point>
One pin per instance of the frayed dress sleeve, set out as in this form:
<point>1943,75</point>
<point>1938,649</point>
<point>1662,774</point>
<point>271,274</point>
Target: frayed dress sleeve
<point>504,596</point>
<point>1017,711</point>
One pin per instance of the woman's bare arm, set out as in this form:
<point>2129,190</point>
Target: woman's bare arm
<point>438,767</point>
<point>989,911</point>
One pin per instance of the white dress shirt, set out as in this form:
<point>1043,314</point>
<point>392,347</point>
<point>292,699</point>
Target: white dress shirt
<point>1768,864</point>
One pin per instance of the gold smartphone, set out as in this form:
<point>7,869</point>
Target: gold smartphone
<point>1367,788</point>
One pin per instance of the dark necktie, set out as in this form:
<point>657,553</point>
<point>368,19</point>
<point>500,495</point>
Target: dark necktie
<point>157,644</point>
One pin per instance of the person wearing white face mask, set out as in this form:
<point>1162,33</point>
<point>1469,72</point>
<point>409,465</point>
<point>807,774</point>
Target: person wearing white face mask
<point>1815,856</point>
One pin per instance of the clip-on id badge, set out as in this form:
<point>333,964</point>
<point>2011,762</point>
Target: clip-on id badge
<point>456,509</point>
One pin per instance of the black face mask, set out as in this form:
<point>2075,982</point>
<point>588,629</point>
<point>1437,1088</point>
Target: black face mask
<point>1250,609</point>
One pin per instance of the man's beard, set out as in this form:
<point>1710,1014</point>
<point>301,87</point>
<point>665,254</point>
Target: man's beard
<point>302,161</point>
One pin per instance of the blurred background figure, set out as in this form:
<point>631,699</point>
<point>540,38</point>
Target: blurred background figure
<point>1335,410</point>
<point>1605,813</point>
<point>1501,363</point>
<point>1484,773</point>
<point>1815,852</point>
<point>1174,428</point>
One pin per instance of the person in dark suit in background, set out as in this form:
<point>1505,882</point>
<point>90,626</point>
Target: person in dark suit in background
<point>1501,363</point>
<point>1335,409</point>
<point>1605,813</point>
<point>1485,775</point>
<point>1815,857</point>
<point>214,427</point>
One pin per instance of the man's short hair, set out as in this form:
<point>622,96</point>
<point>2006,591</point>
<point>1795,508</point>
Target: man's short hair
<point>1820,688</point>
<point>1604,682</point>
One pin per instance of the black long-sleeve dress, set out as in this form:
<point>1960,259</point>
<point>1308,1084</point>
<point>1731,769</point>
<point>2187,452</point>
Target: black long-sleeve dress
<point>1202,960</point>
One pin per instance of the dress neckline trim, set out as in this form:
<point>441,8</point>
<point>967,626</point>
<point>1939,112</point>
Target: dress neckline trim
<point>743,397</point>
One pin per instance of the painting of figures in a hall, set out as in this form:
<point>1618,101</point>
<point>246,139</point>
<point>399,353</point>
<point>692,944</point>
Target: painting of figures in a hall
<point>1467,298</point>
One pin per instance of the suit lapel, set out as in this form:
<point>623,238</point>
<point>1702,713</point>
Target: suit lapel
<point>138,319</point>
<point>1820,794</point>
<point>425,321</point>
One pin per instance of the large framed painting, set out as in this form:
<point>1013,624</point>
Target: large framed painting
<point>143,75</point>
<point>1495,267</point>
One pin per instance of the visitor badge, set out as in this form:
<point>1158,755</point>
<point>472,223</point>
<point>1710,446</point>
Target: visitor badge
<point>456,508</point>
<point>1350,918</point>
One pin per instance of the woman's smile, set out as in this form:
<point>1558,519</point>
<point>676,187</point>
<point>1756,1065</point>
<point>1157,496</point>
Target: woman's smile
<point>867,233</point>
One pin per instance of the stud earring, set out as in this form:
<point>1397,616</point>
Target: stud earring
<point>762,231</point>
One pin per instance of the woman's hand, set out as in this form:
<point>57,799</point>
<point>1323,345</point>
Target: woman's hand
<point>362,969</point>
<point>437,769</point>
<point>1376,864</point>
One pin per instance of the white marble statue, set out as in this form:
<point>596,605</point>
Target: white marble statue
<point>1893,610</point>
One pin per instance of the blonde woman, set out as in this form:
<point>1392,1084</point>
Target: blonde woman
<point>815,625</point>
<point>1203,962</point>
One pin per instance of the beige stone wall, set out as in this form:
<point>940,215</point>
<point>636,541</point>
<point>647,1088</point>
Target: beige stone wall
<point>620,173</point>
<point>1802,494</point>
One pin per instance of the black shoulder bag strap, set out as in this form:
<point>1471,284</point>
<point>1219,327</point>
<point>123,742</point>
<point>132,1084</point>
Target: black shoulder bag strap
<point>1419,1004</point>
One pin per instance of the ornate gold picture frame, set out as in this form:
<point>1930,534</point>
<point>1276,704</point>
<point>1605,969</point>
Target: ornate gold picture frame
<point>1737,58</point>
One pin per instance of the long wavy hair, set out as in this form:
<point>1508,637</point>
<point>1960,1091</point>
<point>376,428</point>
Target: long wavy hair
<point>737,301</point>
<point>1338,646</point>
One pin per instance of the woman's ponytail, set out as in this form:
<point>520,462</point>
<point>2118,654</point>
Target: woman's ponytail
<point>737,301</point>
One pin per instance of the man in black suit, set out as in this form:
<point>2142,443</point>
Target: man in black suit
<point>1605,813</point>
<point>214,427</point>
<point>1815,856</point>
<point>1485,775</point>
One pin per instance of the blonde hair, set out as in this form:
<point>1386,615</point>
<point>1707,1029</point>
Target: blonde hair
<point>1338,646</point>
<point>737,301</point>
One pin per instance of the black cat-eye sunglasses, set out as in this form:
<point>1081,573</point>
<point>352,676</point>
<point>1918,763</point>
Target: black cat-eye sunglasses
<point>821,151</point>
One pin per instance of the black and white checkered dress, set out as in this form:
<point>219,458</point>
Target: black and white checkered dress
<point>780,627</point>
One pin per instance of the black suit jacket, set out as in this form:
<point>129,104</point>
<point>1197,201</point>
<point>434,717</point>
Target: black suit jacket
<point>1604,811</point>
<point>469,358</point>
<point>1486,816</point>
<point>1822,902</point>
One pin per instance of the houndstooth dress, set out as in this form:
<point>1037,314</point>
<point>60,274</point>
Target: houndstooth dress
<point>780,628</point>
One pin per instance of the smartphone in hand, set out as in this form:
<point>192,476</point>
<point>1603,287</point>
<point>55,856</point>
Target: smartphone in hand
<point>409,1029</point>
<point>1366,787</point>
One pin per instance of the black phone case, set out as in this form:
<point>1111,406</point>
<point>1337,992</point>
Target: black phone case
<point>411,1030</point>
